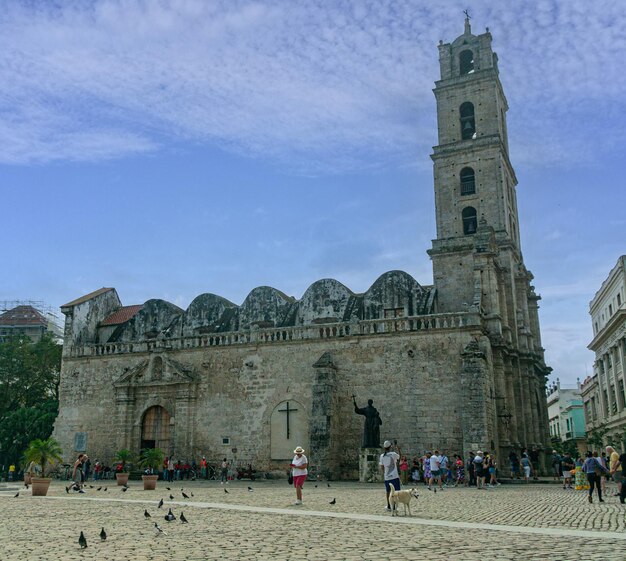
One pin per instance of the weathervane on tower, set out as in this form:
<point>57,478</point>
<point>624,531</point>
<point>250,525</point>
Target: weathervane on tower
<point>468,29</point>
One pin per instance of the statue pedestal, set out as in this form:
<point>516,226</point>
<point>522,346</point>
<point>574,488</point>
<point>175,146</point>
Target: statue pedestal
<point>369,470</point>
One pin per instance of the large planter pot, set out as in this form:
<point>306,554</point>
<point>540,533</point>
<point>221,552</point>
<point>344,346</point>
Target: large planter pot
<point>149,482</point>
<point>122,478</point>
<point>40,486</point>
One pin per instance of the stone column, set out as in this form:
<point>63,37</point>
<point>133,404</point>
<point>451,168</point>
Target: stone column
<point>322,393</point>
<point>474,413</point>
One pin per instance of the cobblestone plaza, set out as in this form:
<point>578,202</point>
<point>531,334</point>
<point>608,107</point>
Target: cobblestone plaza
<point>536,521</point>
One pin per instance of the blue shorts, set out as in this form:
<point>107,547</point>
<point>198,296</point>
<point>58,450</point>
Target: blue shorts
<point>395,482</point>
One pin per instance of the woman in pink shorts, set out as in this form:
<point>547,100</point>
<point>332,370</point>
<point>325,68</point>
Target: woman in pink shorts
<point>299,471</point>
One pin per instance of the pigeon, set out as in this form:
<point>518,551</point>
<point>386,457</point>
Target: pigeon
<point>171,497</point>
<point>327,484</point>
<point>250,489</point>
<point>124,489</point>
<point>185,495</point>
<point>169,488</point>
<point>192,493</point>
<point>169,517</point>
<point>333,502</point>
<point>183,520</point>
<point>16,495</point>
<point>26,485</point>
<point>160,503</point>
<point>316,486</point>
<point>82,541</point>
<point>103,534</point>
<point>99,489</point>
<point>105,488</point>
<point>67,490</point>
<point>91,486</point>
<point>226,491</point>
<point>435,490</point>
<point>146,514</point>
<point>158,530</point>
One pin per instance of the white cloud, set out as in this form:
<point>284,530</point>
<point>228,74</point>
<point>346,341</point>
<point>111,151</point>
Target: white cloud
<point>320,85</point>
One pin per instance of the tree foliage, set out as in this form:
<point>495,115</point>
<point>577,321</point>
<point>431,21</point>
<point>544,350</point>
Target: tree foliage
<point>29,388</point>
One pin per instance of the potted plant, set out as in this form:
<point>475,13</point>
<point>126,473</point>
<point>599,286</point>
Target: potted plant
<point>42,452</point>
<point>123,456</point>
<point>151,459</point>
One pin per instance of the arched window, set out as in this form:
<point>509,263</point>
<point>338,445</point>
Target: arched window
<point>155,429</point>
<point>468,181</point>
<point>466,62</point>
<point>469,220</point>
<point>468,126</point>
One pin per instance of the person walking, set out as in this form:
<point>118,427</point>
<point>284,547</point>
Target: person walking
<point>619,472</point>
<point>614,460</point>
<point>514,461</point>
<point>299,466</point>
<point>170,469</point>
<point>555,460</point>
<point>471,469</point>
<point>435,466</point>
<point>404,470</point>
<point>593,469</point>
<point>478,469</point>
<point>224,471</point>
<point>526,467</point>
<point>78,475</point>
<point>568,466</point>
<point>426,464</point>
<point>388,463</point>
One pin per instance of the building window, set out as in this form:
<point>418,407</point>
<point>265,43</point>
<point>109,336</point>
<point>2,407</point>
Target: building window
<point>468,181</point>
<point>609,361</point>
<point>621,397</point>
<point>605,407</point>
<point>469,220</point>
<point>468,124</point>
<point>390,313</point>
<point>613,402</point>
<point>466,62</point>
<point>610,310</point>
<point>619,299</point>
<point>225,440</point>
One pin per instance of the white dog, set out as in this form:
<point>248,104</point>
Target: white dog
<point>404,497</point>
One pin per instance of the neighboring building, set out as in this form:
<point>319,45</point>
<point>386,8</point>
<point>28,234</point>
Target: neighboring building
<point>565,412</point>
<point>27,320</point>
<point>458,365</point>
<point>604,394</point>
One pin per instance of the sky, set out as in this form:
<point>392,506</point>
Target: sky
<point>173,148</point>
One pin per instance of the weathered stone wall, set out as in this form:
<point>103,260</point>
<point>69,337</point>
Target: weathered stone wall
<point>414,379</point>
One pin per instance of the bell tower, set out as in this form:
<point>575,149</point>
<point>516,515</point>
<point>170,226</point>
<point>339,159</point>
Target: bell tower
<point>474,180</point>
<point>477,260</point>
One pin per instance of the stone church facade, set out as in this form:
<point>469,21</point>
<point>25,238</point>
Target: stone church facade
<point>457,365</point>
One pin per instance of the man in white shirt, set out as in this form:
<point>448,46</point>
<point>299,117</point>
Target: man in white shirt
<point>435,474</point>
<point>388,463</point>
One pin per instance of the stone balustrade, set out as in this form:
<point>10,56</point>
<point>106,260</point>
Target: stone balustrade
<point>282,334</point>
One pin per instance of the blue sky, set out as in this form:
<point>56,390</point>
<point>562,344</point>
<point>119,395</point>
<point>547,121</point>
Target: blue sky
<point>174,148</point>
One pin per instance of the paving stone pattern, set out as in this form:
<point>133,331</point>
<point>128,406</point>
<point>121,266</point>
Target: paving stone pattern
<point>36,528</point>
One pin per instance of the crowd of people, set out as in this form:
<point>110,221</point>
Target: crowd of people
<point>591,472</point>
<point>480,470</point>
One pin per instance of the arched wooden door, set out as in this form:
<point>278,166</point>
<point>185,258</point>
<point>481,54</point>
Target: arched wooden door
<point>155,429</point>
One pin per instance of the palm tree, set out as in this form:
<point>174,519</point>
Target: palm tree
<point>43,452</point>
<point>124,455</point>
<point>152,458</point>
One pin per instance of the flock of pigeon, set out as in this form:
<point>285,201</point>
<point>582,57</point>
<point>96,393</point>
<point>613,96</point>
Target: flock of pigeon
<point>169,517</point>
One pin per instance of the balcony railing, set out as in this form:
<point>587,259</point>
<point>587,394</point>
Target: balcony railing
<point>286,334</point>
